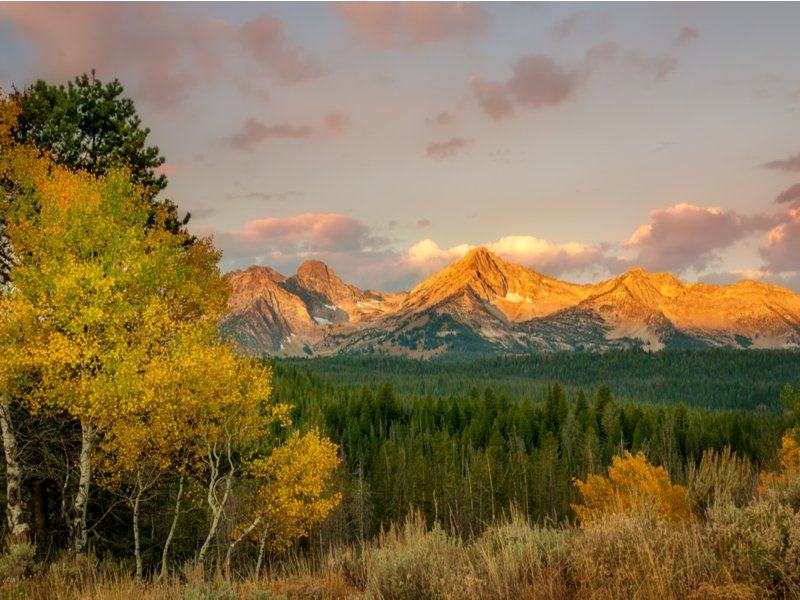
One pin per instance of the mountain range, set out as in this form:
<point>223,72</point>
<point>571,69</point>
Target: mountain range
<point>482,304</point>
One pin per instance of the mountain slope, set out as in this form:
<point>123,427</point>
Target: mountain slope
<point>482,304</point>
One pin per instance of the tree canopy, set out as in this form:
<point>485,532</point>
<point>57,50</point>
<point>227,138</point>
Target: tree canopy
<point>88,125</point>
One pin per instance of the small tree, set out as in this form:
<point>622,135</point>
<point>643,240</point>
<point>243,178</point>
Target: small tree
<point>633,486</point>
<point>294,491</point>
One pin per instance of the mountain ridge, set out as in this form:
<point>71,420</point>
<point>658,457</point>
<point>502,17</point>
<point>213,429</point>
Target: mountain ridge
<point>482,304</point>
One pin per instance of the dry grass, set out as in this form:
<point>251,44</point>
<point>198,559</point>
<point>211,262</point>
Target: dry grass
<point>737,553</point>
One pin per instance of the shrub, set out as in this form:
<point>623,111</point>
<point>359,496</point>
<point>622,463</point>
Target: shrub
<point>638,555</point>
<point>633,486</point>
<point>17,562</point>
<point>410,562</point>
<point>722,478</point>
<point>760,544</point>
<point>517,559</point>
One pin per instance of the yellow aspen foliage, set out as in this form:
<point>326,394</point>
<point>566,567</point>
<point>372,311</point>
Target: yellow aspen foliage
<point>97,296</point>
<point>294,489</point>
<point>789,469</point>
<point>633,485</point>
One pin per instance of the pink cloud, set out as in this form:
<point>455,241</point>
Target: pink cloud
<point>306,233</point>
<point>540,81</point>
<point>446,149</point>
<point>685,36</point>
<point>426,257</point>
<point>443,118</point>
<point>336,122</point>
<point>264,40</point>
<point>781,252</point>
<point>791,164</point>
<point>414,23</point>
<point>164,53</point>
<point>790,195</point>
<point>546,256</point>
<point>687,236</point>
<point>253,132</point>
<point>492,97</point>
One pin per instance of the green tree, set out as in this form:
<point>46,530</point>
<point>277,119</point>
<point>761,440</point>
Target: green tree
<point>90,126</point>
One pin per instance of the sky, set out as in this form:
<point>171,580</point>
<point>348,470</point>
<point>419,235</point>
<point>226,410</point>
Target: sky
<point>388,139</point>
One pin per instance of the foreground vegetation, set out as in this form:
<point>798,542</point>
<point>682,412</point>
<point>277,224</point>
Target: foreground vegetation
<point>731,543</point>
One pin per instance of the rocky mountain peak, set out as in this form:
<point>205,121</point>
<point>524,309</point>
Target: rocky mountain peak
<point>484,304</point>
<point>315,269</point>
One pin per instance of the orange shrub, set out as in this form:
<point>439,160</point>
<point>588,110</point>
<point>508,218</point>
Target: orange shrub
<point>633,485</point>
<point>789,469</point>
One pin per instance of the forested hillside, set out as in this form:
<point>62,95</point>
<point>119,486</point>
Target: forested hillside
<point>431,436</point>
<point>711,378</point>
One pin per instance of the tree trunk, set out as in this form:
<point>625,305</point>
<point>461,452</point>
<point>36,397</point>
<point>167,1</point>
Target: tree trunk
<point>81,505</point>
<point>17,525</point>
<point>229,554</point>
<point>172,528</point>
<point>262,544</point>
<point>216,504</point>
<point>41,518</point>
<point>137,502</point>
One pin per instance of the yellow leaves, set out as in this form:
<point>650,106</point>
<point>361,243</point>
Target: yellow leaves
<point>294,487</point>
<point>789,469</point>
<point>633,485</point>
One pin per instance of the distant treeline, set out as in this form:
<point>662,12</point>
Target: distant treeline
<point>464,455</point>
<point>713,378</point>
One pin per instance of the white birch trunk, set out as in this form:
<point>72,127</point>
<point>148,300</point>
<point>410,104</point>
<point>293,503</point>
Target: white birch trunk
<point>137,548</point>
<point>81,505</point>
<point>229,554</point>
<point>15,514</point>
<point>172,528</point>
<point>215,503</point>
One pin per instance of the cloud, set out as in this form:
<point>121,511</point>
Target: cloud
<point>253,131</point>
<point>687,236</point>
<point>443,118</point>
<point>423,224</point>
<point>603,53</point>
<point>492,97</point>
<point>336,122</point>
<point>164,53</point>
<point>426,256</point>
<point>791,195</point>
<point>446,149</point>
<point>685,36</point>
<point>305,233</point>
<point>781,252</point>
<point>567,27</point>
<point>540,81</point>
<point>791,164</point>
<point>406,24</point>
<point>546,256</point>
<point>656,66</point>
<point>537,81</point>
<point>264,40</point>
<point>612,53</point>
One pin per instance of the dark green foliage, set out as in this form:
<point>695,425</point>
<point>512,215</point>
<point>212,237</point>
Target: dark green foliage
<point>434,437</point>
<point>713,378</point>
<point>89,126</point>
